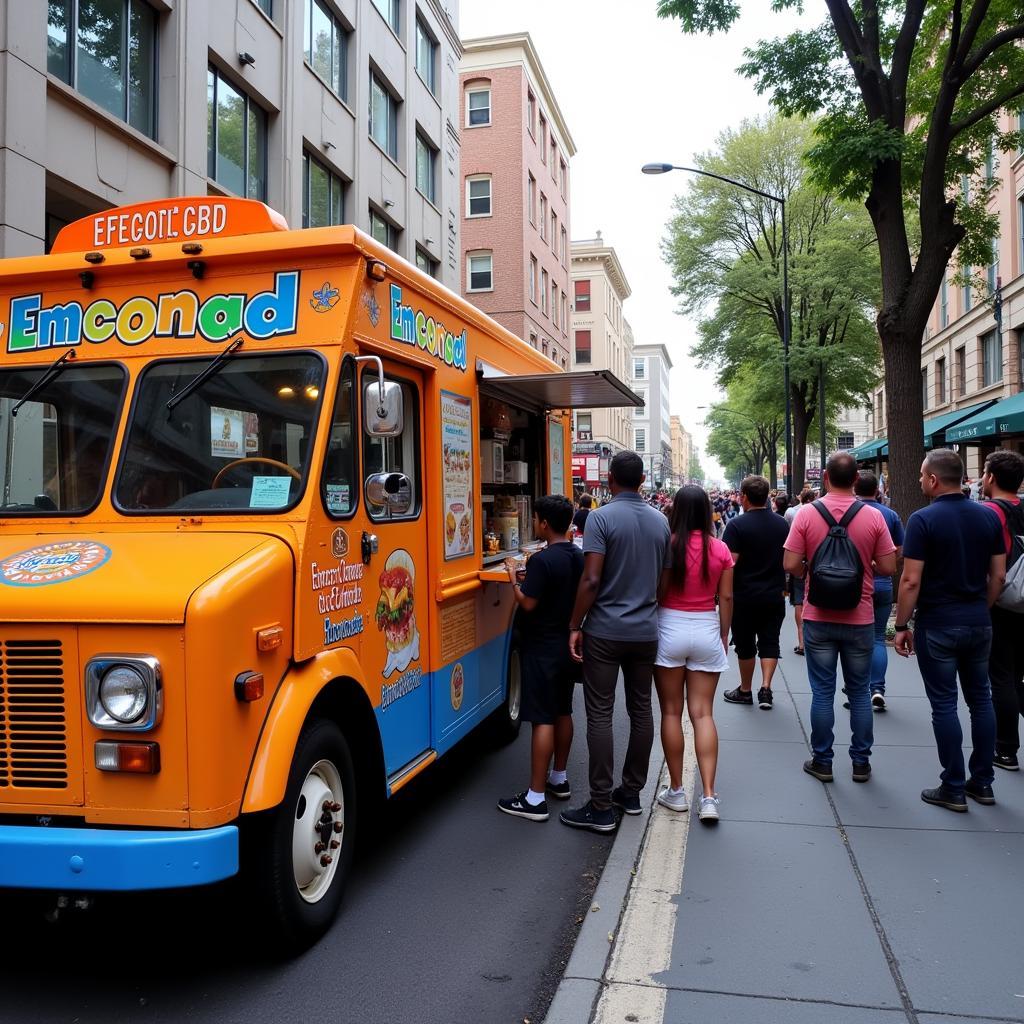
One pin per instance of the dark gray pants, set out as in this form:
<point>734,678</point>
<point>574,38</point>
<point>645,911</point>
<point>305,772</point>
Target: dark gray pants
<point>602,659</point>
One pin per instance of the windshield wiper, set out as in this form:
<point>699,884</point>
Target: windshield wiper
<point>203,375</point>
<point>55,370</point>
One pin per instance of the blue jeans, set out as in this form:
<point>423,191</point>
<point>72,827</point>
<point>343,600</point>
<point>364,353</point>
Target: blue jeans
<point>825,645</point>
<point>942,655</point>
<point>880,654</point>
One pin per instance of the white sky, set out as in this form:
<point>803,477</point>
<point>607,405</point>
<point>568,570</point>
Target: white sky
<point>633,89</point>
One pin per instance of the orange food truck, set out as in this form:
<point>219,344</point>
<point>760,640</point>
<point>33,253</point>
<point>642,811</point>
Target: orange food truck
<point>257,487</point>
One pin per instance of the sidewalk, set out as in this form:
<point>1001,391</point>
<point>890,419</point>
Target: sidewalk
<point>812,903</point>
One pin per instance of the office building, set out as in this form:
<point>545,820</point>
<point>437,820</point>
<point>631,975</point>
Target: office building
<point>652,426</point>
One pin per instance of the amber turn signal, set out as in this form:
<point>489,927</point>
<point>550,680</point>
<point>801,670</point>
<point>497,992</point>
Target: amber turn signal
<point>249,687</point>
<point>269,639</point>
<point>136,758</point>
<point>376,270</point>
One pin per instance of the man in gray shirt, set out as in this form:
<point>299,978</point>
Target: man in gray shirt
<point>625,548</point>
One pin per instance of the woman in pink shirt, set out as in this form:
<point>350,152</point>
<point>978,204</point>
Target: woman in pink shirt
<point>693,638</point>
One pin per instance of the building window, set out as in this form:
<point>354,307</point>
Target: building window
<point>426,56</point>
<point>584,426</point>
<point>426,262</point>
<point>944,302</point>
<point>323,195</point>
<point>389,12</point>
<point>564,245</point>
<point>107,52</point>
<point>383,117</point>
<point>967,294</point>
<point>554,159</point>
<point>940,381</point>
<point>543,216</point>
<point>581,296</point>
<point>544,346</point>
<point>990,162</point>
<point>565,309</point>
<point>844,441</point>
<point>531,198</point>
<point>554,232</point>
<point>641,410</point>
<point>639,369</point>
<point>478,107</point>
<point>266,6</point>
<point>426,169</point>
<point>327,46</point>
<point>562,176</point>
<point>554,303</point>
<point>479,270</point>
<point>543,139</point>
<point>544,292</point>
<point>924,387</point>
<point>1020,223</point>
<point>531,112</point>
<point>582,346</point>
<point>383,230</point>
<point>478,196</point>
<point>236,139</point>
<point>991,358</point>
<point>640,439</point>
<point>992,274</point>
<point>533,280</point>
<point>961,371</point>
<point>533,339</point>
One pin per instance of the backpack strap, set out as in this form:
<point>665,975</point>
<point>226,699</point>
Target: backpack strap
<point>851,512</point>
<point>1014,515</point>
<point>823,511</point>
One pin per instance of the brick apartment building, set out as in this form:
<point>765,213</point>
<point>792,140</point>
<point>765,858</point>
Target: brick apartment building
<point>516,153</point>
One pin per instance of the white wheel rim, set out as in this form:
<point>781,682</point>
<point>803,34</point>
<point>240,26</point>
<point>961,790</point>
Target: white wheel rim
<point>314,859</point>
<point>514,686</point>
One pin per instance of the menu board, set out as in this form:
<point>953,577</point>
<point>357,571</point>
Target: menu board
<point>457,475</point>
<point>556,456</point>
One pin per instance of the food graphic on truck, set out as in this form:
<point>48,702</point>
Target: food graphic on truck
<point>395,613</point>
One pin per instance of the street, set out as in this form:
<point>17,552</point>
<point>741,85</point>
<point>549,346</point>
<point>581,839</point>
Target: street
<point>455,913</point>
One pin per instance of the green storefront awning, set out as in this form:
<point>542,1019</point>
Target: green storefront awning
<point>870,450</point>
<point>1005,417</point>
<point>939,425</point>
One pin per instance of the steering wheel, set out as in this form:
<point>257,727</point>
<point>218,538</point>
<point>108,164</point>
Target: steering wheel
<point>254,458</point>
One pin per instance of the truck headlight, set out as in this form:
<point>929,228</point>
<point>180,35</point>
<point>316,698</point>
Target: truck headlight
<point>124,692</point>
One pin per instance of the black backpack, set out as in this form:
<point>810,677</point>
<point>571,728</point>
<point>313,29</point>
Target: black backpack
<point>1012,596</point>
<point>837,572</point>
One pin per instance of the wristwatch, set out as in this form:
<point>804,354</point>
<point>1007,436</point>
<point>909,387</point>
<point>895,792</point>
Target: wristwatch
<point>903,628</point>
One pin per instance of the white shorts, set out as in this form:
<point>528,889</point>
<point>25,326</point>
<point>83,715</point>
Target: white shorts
<point>690,640</point>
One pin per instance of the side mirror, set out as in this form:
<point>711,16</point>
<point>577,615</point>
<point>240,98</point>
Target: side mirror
<point>392,491</point>
<point>383,410</point>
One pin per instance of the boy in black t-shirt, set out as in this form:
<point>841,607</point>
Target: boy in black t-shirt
<point>548,671</point>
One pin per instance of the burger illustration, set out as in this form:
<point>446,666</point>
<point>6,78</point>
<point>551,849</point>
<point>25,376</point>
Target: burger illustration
<point>394,613</point>
<point>449,527</point>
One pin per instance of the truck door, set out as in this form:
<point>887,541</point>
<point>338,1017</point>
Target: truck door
<point>395,651</point>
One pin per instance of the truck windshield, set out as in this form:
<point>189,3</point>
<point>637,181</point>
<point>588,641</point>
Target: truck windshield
<point>55,451</point>
<point>241,440</point>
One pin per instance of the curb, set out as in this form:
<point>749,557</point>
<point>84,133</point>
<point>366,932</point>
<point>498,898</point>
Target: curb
<point>577,993</point>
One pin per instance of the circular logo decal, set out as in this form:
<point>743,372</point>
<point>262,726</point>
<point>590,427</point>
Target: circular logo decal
<point>458,682</point>
<point>53,563</point>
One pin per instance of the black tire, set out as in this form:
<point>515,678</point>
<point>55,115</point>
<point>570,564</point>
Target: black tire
<point>507,719</point>
<point>292,921</point>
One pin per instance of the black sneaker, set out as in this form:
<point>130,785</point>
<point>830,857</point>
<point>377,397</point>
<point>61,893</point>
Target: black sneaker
<point>739,696</point>
<point>878,702</point>
<point>861,772</point>
<point>559,790</point>
<point>979,793</point>
<point>1008,762</point>
<point>590,818</point>
<point>518,806</point>
<point>942,797</point>
<point>764,698</point>
<point>821,771</point>
<point>628,803</point>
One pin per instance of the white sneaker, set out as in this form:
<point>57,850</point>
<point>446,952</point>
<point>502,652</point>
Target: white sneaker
<point>708,812</point>
<point>674,801</point>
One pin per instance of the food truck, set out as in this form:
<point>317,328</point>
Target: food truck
<point>257,488</point>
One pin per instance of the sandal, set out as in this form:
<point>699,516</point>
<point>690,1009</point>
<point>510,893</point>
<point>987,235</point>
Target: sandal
<point>798,650</point>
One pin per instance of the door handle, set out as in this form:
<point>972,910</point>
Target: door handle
<point>368,546</point>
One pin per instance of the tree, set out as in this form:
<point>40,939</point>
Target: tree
<point>909,94</point>
<point>724,247</point>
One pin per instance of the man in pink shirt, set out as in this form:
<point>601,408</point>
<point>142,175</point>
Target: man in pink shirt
<point>831,635</point>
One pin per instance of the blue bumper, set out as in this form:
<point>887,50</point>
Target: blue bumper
<point>33,857</point>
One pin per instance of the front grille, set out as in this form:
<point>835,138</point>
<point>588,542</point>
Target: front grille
<point>33,729</point>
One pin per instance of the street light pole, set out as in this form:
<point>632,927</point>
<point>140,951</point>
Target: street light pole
<point>786,318</point>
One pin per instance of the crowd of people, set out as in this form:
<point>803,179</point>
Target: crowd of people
<point>659,594</point>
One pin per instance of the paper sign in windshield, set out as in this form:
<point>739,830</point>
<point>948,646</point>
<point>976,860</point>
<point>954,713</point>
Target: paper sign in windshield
<point>227,433</point>
<point>270,491</point>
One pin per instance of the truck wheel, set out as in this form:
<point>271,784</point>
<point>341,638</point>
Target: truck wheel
<point>301,856</point>
<point>508,717</point>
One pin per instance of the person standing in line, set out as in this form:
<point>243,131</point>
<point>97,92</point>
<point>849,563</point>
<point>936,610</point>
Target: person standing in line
<point>866,488</point>
<point>625,548</point>
<point>838,621</point>
<point>549,673</point>
<point>1002,478</point>
<point>796,583</point>
<point>781,502</point>
<point>579,520</point>
<point>693,637</point>
<point>954,565</point>
<point>756,539</point>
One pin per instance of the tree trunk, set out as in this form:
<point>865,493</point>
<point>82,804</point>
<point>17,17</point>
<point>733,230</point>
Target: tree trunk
<point>904,414</point>
<point>801,424</point>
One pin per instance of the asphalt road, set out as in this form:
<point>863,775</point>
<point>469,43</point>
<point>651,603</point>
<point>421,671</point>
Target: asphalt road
<point>455,914</point>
